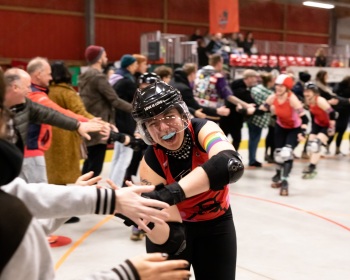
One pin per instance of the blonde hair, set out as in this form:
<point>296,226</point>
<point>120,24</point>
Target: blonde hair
<point>214,59</point>
<point>189,68</point>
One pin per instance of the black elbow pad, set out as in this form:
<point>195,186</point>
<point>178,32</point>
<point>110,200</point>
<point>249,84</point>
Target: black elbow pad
<point>224,168</point>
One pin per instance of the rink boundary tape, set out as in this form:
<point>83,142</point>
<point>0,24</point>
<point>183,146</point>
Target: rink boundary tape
<point>81,240</point>
<point>294,208</point>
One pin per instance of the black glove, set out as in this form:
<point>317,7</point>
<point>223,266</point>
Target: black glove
<point>129,222</point>
<point>136,144</point>
<point>116,137</point>
<point>171,194</point>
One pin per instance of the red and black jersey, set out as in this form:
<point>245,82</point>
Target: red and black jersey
<point>321,117</point>
<point>205,206</point>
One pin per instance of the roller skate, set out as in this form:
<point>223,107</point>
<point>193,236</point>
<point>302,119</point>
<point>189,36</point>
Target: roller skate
<point>284,188</point>
<point>309,172</point>
<point>136,234</point>
<point>276,180</point>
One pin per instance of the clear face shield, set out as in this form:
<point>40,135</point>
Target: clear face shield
<point>165,125</point>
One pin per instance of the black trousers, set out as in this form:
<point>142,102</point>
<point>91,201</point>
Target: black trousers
<point>236,133</point>
<point>96,156</point>
<point>211,248</point>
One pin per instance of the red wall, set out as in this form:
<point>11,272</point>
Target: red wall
<point>32,28</point>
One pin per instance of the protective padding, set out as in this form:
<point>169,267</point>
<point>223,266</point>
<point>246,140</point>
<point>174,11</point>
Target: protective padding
<point>314,146</point>
<point>284,154</point>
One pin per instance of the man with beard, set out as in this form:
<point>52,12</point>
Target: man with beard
<point>100,100</point>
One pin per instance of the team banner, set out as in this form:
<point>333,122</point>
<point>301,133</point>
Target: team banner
<point>224,16</point>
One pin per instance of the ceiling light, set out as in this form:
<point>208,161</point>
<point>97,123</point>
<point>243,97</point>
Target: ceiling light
<point>318,5</point>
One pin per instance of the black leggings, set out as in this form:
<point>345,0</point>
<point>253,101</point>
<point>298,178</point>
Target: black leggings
<point>340,128</point>
<point>283,137</point>
<point>211,248</point>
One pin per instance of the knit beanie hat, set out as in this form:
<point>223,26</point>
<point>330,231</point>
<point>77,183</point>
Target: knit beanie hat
<point>93,53</point>
<point>127,60</point>
<point>304,77</point>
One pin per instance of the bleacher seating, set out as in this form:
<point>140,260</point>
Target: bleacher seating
<point>272,61</point>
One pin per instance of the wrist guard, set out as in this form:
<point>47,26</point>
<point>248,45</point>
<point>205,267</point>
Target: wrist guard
<point>116,137</point>
<point>136,144</point>
<point>171,194</point>
<point>128,222</point>
<point>304,119</point>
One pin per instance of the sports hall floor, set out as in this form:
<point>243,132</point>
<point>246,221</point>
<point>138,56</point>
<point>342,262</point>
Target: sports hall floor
<point>305,236</point>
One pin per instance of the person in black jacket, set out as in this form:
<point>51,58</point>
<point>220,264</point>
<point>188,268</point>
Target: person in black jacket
<point>233,123</point>
<point>343,110</point>
<point>182,80</point>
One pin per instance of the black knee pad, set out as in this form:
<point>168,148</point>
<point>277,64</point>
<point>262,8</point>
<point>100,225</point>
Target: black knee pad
<point>175,244</point>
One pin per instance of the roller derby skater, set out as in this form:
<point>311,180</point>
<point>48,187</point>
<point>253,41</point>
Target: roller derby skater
<point>291,123</point>
<point>323,125</point>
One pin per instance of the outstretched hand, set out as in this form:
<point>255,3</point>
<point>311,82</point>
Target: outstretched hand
<point>155,266</point>
<point>86,127</point>
<point>87,179</point>
<point>139,209</point>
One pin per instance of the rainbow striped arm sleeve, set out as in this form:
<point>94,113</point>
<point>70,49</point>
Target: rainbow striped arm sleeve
<point>213,138</point>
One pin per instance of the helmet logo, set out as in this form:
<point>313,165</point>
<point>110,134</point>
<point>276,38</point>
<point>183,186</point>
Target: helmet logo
<point>154,105</point>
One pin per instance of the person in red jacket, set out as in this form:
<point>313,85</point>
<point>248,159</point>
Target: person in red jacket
<point>323,125</point>
<point>40,135</point>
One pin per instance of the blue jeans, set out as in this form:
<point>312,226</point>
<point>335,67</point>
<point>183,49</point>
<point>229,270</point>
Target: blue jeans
<point>254,138</point>
<point>121,159</point>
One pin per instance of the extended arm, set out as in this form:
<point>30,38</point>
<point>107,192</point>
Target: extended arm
<point>224,166</point>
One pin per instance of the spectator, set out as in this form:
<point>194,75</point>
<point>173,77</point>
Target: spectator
<point>240,41</point>
<point>66,146</point>
<point>248,43</point>
<point>28,112</point>
<point>100,100</point>
<point>164,72</point>
<point>298,87</point>
<point>141,66</point>
<point>215,44</point>
<point>183,79</point>
<point>321,58</point>
<point>233,123</point>
<point>124,84</point>
<point>202,54</point>
<point>343,110</point>
<point>196,35</point>
<point>256,123</point>
<point>40,135</point>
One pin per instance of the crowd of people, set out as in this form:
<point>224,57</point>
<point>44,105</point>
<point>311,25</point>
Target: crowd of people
<point>172,127</point>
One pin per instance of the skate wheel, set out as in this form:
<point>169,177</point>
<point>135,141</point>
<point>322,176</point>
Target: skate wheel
<point>275,185</point>
<point>284,192</point>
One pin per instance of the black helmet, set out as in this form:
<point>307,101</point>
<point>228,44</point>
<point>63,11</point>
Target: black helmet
<point>311,86</point>
<point>148,78</point>
<point>154,100</point>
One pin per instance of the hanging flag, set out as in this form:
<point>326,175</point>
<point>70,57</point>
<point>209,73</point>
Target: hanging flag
<point>224,16</point>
